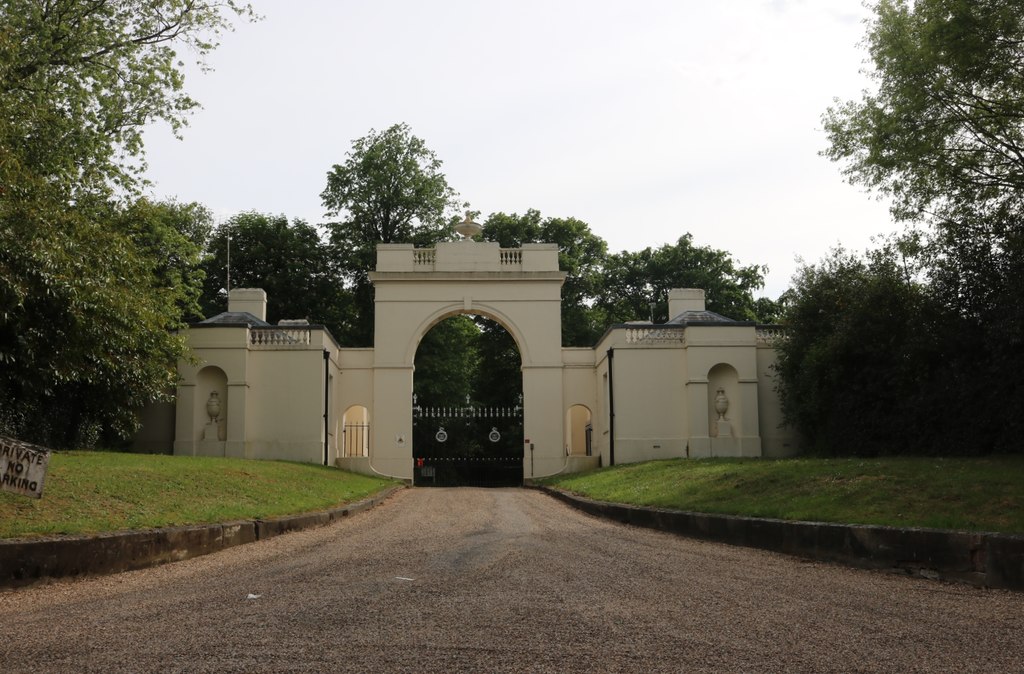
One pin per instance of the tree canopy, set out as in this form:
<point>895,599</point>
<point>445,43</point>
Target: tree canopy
<point>390,189</point>
<point>943,136</point>
<point>87,333</point>
<point>909,348</point>
<point>634,280</point>
<point>79,80</point>
<point>289,260</point>
<point>943,133</point>
<point>92,281</point>
<point>859,359</point>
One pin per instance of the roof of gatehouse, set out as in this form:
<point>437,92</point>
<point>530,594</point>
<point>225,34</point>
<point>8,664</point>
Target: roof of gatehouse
<point>234,318</point>
<point>691,317</point>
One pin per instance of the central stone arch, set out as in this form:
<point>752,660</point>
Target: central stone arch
<point>459,309</point>
<point>518,288</point>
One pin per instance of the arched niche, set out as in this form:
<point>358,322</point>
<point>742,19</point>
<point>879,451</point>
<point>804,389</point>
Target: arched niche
<point>725,379</point>
<point>211,383</point>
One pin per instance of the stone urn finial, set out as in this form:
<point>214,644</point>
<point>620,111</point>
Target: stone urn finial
<point>213,407</point>
<point>467,228</point>
<point>721,404</point>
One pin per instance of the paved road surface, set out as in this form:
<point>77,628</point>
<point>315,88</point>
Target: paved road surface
<point>505,580</point>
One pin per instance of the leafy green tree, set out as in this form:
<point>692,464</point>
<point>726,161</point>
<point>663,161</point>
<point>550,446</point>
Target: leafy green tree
<point>390,189</point>
<point>767,310</point>
<point>859,360</point>
<point>874,362</point>
<point>499,380</point>
<point>172,236</point>
<point>85,317</point>
<point>942,135</point>
<point>634,280</point>
<point>945,128</point>
<point>80,80</point>
<point>447,362</point>
<point>287,259</point>
<point>87,331</point>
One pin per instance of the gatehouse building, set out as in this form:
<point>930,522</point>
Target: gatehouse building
<point>700,385</point>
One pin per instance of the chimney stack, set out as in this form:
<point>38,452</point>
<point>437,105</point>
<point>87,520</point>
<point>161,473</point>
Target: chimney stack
<point>253,300</point>
<point>684,299</point>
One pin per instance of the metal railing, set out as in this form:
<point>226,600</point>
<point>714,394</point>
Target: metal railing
<point>355,440</point>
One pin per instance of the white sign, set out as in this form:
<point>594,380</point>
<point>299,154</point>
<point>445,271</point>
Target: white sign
<point>22,467</point>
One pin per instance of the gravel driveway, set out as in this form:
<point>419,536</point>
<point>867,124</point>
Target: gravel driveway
<point>440,580</point>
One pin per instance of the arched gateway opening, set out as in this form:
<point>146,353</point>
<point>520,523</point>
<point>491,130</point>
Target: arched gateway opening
<point>467,405</point>
<point>415,289</point>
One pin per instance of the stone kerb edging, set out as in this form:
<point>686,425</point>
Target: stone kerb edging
<point>27,561</point>
<point>984,559</point>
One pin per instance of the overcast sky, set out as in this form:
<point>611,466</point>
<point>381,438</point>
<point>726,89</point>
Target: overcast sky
<point>647,119</point>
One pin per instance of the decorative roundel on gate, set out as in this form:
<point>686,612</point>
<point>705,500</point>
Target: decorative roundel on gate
<point>441,435</point>
<point>494,435</point>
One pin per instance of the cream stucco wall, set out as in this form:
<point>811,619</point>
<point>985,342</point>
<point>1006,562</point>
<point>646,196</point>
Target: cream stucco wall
<point>226,349</point>
<point>662,385</point>
<point>649,404</point>
<point>708,347</point>
<point>295,426</point>
<point>272,396</point>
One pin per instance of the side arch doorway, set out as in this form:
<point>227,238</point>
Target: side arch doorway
<point>579,431</point>
<point>355,432</point>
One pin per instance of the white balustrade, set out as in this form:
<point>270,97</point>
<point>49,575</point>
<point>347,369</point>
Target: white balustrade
<point>424,257</point>
<point>769,336</point>
<point>511,256</point>
<point>655,336</point>
<point>278,338</point>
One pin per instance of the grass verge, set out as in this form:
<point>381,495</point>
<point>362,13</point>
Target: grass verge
<point>91,492</point>
<point>970,494</point>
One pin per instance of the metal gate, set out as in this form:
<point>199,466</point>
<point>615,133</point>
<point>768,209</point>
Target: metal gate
<point>467,445</point>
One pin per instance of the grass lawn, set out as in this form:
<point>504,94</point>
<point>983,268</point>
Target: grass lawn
<point>89,492</point>
<point>972,494</point>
